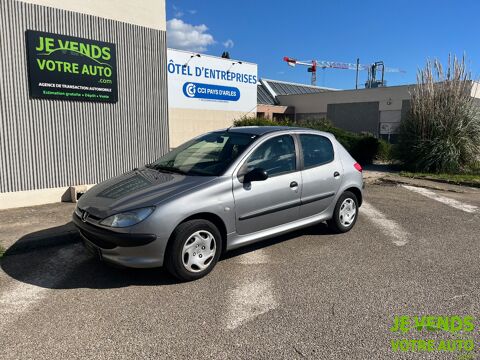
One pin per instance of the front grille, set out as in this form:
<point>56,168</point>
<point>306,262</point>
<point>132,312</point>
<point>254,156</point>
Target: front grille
<point>104,244</point>
<point>80,212</point>
<point>90,216</point>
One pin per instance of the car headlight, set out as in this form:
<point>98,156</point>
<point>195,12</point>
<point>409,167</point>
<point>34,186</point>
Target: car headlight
<point>128,218</point>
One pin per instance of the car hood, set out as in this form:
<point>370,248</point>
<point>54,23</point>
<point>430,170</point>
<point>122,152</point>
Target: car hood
<point>136,189</point>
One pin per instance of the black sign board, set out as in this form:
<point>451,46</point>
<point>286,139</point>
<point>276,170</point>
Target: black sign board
<point>71,68</point>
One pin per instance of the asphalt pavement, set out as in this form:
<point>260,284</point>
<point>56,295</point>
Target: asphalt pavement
<point>306,295</point>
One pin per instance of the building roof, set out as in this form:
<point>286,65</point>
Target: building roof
<point>264,96</point>
<point>268,90</point>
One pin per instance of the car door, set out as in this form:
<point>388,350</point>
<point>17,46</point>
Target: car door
<point>321,174</point>
<point>265,204</point>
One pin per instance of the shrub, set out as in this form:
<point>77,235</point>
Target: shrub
<point>441,132</point>
<point>385,151</point>
<point>256,121</point>
<point>363,148</point>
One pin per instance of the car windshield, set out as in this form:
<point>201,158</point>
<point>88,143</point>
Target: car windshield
<point>207,155</point>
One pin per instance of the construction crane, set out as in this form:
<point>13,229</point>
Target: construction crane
<point>371,68</point>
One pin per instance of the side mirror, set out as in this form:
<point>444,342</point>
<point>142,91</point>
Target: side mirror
<point>257,174</point>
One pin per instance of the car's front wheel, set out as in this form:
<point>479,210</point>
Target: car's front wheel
<point>194,250</point>
<point>345,213</point>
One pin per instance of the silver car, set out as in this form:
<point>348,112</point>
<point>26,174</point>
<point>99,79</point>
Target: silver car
<point>220,191</point>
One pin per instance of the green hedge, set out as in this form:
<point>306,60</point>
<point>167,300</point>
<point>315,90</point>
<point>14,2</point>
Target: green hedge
<point>363,147</point>
<point>253,121</point>
<point>385,151</point>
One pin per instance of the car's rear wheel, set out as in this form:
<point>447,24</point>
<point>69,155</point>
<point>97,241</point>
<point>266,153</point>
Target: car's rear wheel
<point>345,213</point>
<point>194,250</point>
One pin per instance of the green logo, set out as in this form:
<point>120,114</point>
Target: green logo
<point>452,334</point>
<point>47,46</point>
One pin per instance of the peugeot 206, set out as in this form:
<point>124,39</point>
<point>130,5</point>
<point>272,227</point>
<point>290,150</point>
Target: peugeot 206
<point>217,192</point>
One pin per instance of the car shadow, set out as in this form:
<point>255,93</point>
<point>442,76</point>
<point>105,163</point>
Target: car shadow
<point>67,265</point>
<point>61,262</point>
<point>54,236</point>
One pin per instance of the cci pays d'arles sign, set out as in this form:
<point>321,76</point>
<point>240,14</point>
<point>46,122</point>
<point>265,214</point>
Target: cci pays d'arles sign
<point>210,83</point>
<point>70,68</point>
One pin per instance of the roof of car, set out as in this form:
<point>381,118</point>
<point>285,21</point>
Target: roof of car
<point>262,130</point>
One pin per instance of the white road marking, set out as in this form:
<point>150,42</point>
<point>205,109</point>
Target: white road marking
<point>18,298</point>
<point>252,258</point>
<point>444,200</point>
<point>389,227</point>
<point>251,299</point>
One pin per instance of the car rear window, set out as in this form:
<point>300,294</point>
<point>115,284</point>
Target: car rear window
<point>317,150</point>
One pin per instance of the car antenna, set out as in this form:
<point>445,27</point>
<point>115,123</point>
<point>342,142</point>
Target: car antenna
<point>229,128</point>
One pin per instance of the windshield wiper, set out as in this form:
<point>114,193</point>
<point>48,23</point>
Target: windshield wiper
<point>167,169</point>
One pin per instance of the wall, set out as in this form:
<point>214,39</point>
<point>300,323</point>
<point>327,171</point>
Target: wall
<point>275,112</point>
<point>187,123</point>
<point>56,143</point>
<point>148,13</point>
<point>354,110</point>
<point>475,90</point>
<point>389,98</point>
<point>355,117</point>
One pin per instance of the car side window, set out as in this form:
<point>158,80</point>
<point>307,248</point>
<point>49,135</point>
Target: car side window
<point>276,156</point>
<point>317,150</point>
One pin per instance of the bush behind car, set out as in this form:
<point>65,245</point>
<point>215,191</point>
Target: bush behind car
<point>363,147</point>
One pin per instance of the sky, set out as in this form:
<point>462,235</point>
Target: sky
<point>403,34</point>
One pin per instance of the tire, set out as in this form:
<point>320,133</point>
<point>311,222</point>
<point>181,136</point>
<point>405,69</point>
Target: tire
<point>341,222</point>
<point>193,250</point>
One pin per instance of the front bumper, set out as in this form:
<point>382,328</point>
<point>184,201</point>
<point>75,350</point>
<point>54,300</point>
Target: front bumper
<point>125,249</point>
<point>108,239</point>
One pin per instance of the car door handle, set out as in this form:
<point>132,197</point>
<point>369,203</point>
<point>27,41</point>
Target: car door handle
<point>336,174</point>
<point>293,184</point>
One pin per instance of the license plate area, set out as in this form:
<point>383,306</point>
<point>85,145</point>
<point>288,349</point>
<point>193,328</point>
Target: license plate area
<point>93,249</point>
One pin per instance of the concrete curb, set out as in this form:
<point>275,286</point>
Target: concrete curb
<point>413,182</point>
<point>449,182</point>
<point>29,244</point>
